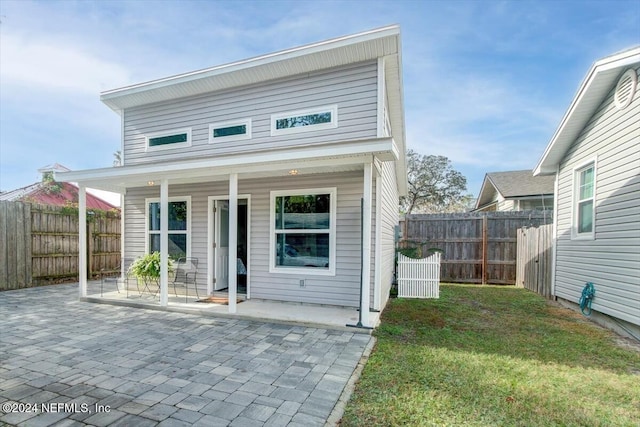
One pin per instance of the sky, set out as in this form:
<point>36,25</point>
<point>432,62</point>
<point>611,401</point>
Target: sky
<point>486,83</point>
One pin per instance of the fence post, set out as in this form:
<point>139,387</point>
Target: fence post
<point>485,249</point>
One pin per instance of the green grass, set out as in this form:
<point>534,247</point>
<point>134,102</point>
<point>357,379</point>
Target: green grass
<point>494,356</point>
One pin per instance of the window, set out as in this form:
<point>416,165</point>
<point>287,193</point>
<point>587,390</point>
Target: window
<point>179,226</point>
<point>168,139</point>
<point>230,131</point>
<point>584,201</point>
<point>303,231</point>
<point>305,120</point>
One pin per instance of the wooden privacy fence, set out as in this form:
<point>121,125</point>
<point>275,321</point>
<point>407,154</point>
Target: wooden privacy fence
<point>419,278</point>
<point>533,269</point>
<point>476,247</point>
<point>39,243</point>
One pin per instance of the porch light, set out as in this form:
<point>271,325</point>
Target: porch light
<point>293,172</point>
<point>150,183</point>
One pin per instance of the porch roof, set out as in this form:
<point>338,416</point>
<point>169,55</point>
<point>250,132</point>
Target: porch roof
<point>333,157</point>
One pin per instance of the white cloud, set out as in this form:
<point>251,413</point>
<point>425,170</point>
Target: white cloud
<point>52,64</point>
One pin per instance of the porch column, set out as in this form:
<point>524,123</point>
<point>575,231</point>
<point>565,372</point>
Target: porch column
<point>164,242</point>
<point>233,241</point>
<point>82,240</point>
<point>366,245</point>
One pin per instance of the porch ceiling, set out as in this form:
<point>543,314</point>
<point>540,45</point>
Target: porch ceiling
<point>345,157</point>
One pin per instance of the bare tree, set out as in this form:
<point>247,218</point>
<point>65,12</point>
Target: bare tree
<point>434,186</point>
<point>117,158</point>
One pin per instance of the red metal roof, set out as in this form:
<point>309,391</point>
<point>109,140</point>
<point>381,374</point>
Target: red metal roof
<point>68,193</point>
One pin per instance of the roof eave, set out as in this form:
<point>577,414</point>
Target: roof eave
<point>481,193</point>
<point>600,79</point>
<point>326,54</point>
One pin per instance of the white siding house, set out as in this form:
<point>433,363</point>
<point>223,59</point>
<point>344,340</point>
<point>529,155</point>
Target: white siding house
<point>595,157</point>
<point>266,165</point>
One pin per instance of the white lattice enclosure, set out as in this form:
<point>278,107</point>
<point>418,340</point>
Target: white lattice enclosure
<point>419,278</point>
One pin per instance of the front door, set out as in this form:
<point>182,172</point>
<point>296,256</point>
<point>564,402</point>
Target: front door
<point>221,244</point>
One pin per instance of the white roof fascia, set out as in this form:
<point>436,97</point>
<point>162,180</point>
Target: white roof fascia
<point>328,47</point>
<point>594,88</point>
<point>118,178</point>
<point>482,188</point>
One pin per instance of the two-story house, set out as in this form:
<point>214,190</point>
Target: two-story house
<point>286,166</point>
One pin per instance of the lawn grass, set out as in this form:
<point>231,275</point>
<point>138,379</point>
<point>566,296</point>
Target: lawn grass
<point>494,356</point>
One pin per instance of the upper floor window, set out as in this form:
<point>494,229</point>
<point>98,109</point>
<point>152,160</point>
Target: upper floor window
<point>230,131</point>
<point>177,138</point>
<point>584,180</point>
<point>305,120</point>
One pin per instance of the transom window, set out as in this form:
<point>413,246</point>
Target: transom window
<point>303,231</point>
<point>584,201</point>
<point>179,226</point>
<point>230,131</point>
<point>168,139</point>
<point>305,120</point>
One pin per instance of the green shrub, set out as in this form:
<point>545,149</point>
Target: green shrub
<point>148,266</point>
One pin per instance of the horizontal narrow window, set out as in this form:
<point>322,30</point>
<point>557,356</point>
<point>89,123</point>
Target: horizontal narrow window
<point>230,131</point>
<point>176,138</point>
<point>171,139</point>
<point>299,121</point>
<point>305,120</point>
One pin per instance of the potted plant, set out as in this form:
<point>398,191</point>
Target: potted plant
<point>147,269</point>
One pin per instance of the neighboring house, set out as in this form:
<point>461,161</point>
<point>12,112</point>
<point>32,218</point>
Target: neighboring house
<point>262,164</point>
<point>515,191</point>
<point>595,158</point>
<point>49,192</point>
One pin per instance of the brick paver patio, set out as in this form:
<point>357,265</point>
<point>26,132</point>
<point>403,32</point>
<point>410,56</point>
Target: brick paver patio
<point>74,363</point>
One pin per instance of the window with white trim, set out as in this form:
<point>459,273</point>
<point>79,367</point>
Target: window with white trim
<point>303,224</point>
<point>230,131</point>
<point>304,120</point>
<point>584,201</point>
<point>177,138</point>
<point>179,226</point>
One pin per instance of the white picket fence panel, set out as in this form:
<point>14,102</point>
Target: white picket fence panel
<point>419,278</point>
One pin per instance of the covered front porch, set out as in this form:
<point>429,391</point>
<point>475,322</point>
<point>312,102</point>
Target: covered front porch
<point>241,177</point>
<point>312,315</point>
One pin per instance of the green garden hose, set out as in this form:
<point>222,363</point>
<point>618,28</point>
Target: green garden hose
<point>588,293</point>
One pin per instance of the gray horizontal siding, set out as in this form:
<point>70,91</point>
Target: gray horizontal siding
<point>341,289</point>
<point>352,88</point>
<point>612,260</point>
<point>389,220</point>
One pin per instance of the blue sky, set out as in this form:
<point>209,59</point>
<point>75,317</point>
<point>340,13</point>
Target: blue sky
<point>485,82</point>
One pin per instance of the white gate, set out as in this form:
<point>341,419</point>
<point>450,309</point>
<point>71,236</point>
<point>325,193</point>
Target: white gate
<point>419,278</point>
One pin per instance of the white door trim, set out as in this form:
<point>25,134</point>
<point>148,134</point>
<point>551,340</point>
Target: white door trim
<point>210,240</point>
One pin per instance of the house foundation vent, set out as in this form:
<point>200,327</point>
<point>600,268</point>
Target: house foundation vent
<point>626,89</point>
